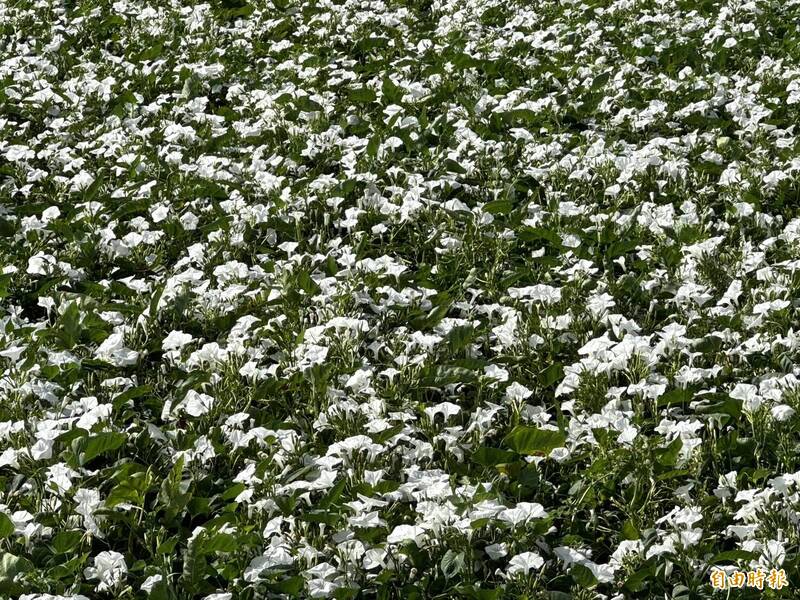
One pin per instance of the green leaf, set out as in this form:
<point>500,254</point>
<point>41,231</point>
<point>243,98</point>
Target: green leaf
<point>523,115</point>
<point>583,576</point>
<point>154,300</point>
<point>174,492</point>
<point>150,53</point>
<point>306,104</point>
<point>669,456</point>
<point>291,586</point>
<point>726,406</point>
<point>390,91</point>
<point>345,593</point>
<point>733,556</point>
<point>363,95</point>
<point>474,592</point>
<point>621,247</point>
<point>460,337</point>
<point>69,568</point>
<point>551,374</point>
<point>131,394</point>
<point>629,531</point>
<point>6,526</point>
<point>600,80</point>
<point>91,192</point>
<point>233,491</point>
<point>195,566</point>
<point>636,582</point>
<point>604,437</point>
<point>198,505</point>
<point>437,313</point>
<point>533,234</point>
<point>454,167</point>
<point>236,9</point>
<point>6,228</point>
<point>167,547</point>
<point>489,457</point>
<point>672,474</point>
<point>681,592</point>
<point>333,494</point>
<point>709,344</point>
<point>480,523</point>
<point>498,207</point>
<point>373,145</point>
<point>101,443</point>
<point>160,591</point>
<point>534,441</point>
<point>11,566</point>
<point>70,323</point>
<point>66,541</point>
<point>452,564</point>
<point>124,492</point>
<point>328,518</point>
<point>117,106</point>
<point>220,542</point>
<point>386,434</point>
<point>676,396</point>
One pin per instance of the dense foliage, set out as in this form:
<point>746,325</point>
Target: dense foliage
<point>376,299</point>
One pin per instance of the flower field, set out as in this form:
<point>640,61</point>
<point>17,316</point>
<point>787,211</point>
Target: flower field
<point>402,299</point>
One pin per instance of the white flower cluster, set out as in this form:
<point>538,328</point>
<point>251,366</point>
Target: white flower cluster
<point>441,299</point>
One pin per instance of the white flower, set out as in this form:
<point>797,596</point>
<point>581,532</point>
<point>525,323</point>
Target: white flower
<point>524,563</point>
<point>196,404</point>
<point>625,548</point>
<point>176,340</point>
<point>321,588</point>
<point>782,412</point>
<point>773,553</point>
<point>517,392</point>
<point>569,556</point>
<point>52,597</point>
<point>275,555</point>
<point>522,513</point>
<point>748,394</point>
<point>159,213</point>
<point>41,264</point>
<point>109,568</point>
<point>81,181</point>
<point>114,351</point>
<point>446,409</point>
<point>495,551</point>
<point>149,583</point>
<point>19,152</point>
<point>42,450</point>
<point>308,355</point>
<point>88,502</point>
<point>189,221</point>
<point>495,372</point>
<point>764,308</point>
<point>360,380</point>
<point>541,293</point>
<point>407,533</point>
<point>60,475</point>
